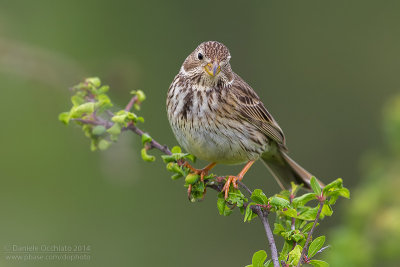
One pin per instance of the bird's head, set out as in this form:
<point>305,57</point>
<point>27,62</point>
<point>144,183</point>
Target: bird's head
<point>208,64</point>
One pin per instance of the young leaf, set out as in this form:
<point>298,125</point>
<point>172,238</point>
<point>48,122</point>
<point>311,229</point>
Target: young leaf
<point>104,144</point>
<point>294,255</point>
<point>318,263</point>
<point>176,149</point>
<point>344,192</point>
<point>278,202</point>
<point>249,214</point>
<point>315,186</point>
<point>146,138</point>
<point>308,227</point>
<point>64,117</point>
<point>222,207</point>
<point>278,228</point>
<point>258,258</point>
<point>309,214</point>
<point>94,80</point>
<point>337,184</point>
<point>326,210</point>
<point>290,212</point>
<point>302,200</point>
<point>114,131</point>
<point>259,197</point>
<point>147,157</point>
<point>315,246</point>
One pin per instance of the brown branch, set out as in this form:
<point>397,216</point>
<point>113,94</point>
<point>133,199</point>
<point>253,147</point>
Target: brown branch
<point>263,215</point>
<point>305,248</point>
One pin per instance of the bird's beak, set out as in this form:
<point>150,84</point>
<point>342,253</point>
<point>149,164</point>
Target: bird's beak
<point>212,69</point>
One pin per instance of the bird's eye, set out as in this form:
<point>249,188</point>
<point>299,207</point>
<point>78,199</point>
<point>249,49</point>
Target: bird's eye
<point>200,56</point>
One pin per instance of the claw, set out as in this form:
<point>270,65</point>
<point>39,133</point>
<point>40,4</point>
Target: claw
<point>231,180</point>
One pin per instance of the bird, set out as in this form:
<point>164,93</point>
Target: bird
<point>216,116</point>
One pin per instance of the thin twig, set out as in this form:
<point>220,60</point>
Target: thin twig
<point>303,252</point>
<point>133,100</point>
<point>264,219</point>
<point>153,143</point>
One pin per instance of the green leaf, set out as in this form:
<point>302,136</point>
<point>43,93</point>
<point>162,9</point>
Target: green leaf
<point>308,227</point>
<point>318,263</point>
<point>326,210</point>
<point>337,184</point>
<point>309,214</point>
<point>278,228</point>
<point>302,200</point>
<point>315,186</point>
<point>258,258</point>
<point>222,207</point>
<point>294,255</point>
<point>168,158</point>
<point>176,176</point>
<point>315,246</point>
<point>141,96</point>
<point>147,157</point>
<point>259,197</point>
<point>114,131</point>
<point>64,117</point>
<point>249,214</point>
<point>279,202</point>
<point>146,138</point>
<point>103,89</point>
<point>176,149</point>
<point>77,100</point>
<point>190,157</point>
<point>268,263</point>
<point>344,192</point>
<point>94,80</point>
<point>99,130</point>
<point>104,144</point>
<point>290,212</point>
<point>78,111</point>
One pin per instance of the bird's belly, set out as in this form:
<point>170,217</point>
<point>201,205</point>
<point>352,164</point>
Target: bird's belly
<point>222,144</point>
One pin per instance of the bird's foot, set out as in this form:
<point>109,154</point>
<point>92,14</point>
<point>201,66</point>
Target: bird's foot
<point>202,172</point>
<point>231,180</point>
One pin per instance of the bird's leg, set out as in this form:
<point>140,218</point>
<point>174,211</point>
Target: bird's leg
<point>233,179</point>
<point>202,172</point>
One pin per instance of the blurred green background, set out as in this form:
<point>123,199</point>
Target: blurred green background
<point>323,69</point>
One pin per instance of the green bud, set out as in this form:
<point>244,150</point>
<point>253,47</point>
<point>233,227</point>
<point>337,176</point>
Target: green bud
<point>141,96</point>
<point>94,80</point>
<point>104,89</point>
<point>170,166</point>
<point>191,178</point>
<point>99,130</point>
<point>176,149</point>
<point>176,176</point>
<point>78,111</point>
<point>104,144</point>
<point>64,117</point>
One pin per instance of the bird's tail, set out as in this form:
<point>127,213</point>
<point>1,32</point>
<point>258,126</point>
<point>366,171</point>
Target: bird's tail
<point>286,170</point>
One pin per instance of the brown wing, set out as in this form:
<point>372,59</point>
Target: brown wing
<point>253,110</point>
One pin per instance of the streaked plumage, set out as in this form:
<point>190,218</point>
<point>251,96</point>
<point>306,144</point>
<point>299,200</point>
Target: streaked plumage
<point>216,116</point>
